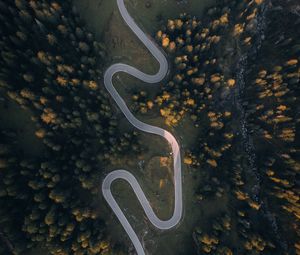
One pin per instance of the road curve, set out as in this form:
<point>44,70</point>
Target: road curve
<point>125,175</point>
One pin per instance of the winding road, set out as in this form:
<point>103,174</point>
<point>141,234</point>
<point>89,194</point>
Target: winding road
<point>125,175</point>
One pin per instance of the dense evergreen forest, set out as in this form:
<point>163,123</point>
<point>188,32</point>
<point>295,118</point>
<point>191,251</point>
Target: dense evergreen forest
<point>51,66</point>
<point>234,73</point>
<point>249,96</point>
<point>236,76</point>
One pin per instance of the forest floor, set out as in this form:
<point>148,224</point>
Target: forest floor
<point>15,118</point>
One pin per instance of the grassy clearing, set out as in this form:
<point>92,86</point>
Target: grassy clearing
<point>97,13</point>
<point>153,17</point>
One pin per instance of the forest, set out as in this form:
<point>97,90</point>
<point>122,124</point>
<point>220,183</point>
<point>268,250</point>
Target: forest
<point>236,76</point>
<point>234,73</point>
<point>51,67</point>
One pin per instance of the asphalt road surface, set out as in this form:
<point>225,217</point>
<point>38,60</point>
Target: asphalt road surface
<point>124,174</point>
